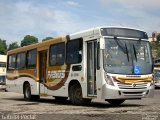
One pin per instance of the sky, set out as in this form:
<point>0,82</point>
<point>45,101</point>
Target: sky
<point>43,18</point>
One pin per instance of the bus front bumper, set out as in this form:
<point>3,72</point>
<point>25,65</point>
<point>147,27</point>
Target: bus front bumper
<point>112,92</point>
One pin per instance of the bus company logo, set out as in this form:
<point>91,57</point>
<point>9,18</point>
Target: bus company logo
<point>133,85</point>
<point>56,74</point>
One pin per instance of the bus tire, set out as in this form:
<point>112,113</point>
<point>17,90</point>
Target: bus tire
<point>75,94</point>
<point>27,92</point>
<point>115,102</point>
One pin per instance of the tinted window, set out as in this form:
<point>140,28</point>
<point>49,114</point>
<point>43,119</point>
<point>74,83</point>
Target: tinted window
<point>31,58</point>
<point>12,62</point>
<point>74,51</point>
<point>2,64</point>
<point>57,54</point>
<point>2,80</point>
<point>21,60</point>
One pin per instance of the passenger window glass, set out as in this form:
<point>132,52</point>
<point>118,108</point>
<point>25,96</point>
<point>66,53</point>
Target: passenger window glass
<point>74,51</point>
<point>57,54</point>
<point>12,62</point>
<point>31,58</point>
<point>2,64</point>
<point>21,60</point>
<point>2,80</point>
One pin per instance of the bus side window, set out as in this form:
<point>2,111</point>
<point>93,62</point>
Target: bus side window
<point>31,58</point>
<point>74,51</point>
<point>2,64</point>
<point>11,62</point>
<point>57,54</point>
<point>21,60</point>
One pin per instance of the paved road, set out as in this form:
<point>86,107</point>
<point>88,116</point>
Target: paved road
<point>13,107</point>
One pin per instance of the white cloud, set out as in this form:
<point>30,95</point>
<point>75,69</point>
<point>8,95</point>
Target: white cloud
<point>72,3</point>
<point>142,14</point>
<point>140,3</point>
<point>133,3</point>
<point>41,20</point>
<point>22,18</point>
<point>133,7</point>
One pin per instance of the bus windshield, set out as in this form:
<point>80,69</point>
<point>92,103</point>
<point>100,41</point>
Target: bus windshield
<point>124,56</point>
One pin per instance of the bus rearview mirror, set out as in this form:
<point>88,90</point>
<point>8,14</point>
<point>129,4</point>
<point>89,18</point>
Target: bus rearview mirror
<point>102,43</point>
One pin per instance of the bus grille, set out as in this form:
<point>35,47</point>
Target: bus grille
<point>136,94</point>
<point>140,85</point>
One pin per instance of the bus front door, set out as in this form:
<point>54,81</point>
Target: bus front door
<point>91,68</point>
<point>42,72</point>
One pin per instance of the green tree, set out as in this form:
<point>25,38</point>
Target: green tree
<point>13,45</point>
<point>28,40</point>
<point>158,38</point>
<point>47,38</point>
<point>3,47</point>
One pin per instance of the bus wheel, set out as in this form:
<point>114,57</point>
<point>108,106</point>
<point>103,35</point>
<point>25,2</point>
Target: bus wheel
<point>27,92</point>
<point>75,94</point>
<point>115,102</point>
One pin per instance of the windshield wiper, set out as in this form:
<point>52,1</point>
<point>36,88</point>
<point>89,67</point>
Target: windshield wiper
<point>124,49</point>
<point>120,46</point>
<point>135,52</point>
<point>127,52</point>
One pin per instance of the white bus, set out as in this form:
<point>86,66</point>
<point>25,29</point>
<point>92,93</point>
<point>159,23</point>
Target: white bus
<point>157,73</point>
<point>3,60</point>
<point>157,77</point>
<point>104,63</point>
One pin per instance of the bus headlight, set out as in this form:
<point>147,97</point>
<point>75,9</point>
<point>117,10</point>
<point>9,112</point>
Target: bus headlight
<point>109,80</point>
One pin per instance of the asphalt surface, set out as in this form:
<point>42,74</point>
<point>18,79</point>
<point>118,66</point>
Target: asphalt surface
<point>14,107</point>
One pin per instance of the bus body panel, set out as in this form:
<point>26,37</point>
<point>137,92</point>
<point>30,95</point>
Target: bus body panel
<point>17,85</point>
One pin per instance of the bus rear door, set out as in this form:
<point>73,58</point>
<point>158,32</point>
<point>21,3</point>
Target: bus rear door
<point>42,71</point>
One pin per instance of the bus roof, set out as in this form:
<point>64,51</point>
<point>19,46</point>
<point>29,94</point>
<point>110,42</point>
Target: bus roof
<point>112,31</point>
<point>40,45</point>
